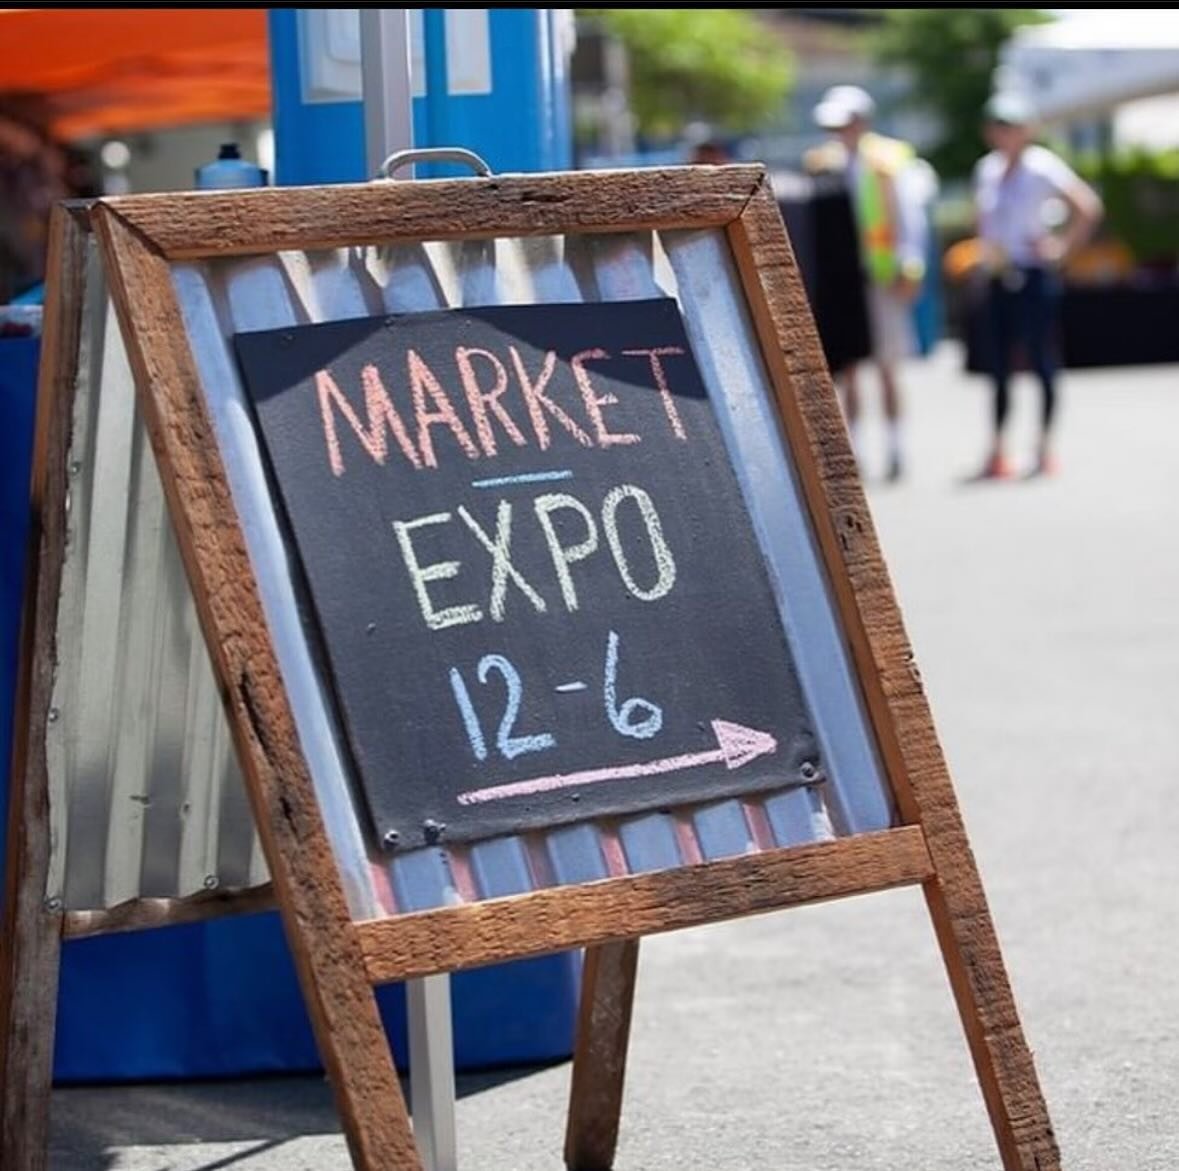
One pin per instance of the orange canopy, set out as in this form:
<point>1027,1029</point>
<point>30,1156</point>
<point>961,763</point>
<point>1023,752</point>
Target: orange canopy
<point>99,71</point>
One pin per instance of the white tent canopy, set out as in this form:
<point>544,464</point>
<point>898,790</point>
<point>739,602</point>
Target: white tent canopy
<point>1091,60</point>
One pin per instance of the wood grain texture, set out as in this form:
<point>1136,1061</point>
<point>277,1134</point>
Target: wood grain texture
<point>892,687</point>
<point>197,224</point>
<point>30,942</point>
<point>143,914</point>
<point>599,1061</point>
<point>307,884</point>
<point>560,918</point>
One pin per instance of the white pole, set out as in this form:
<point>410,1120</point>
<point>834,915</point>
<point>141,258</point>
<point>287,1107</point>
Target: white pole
<point>431,1071</point>
<point>387,85</point>
<point>385,63</point>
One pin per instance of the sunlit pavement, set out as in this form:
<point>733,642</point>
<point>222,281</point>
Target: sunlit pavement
<point>1045,617</point>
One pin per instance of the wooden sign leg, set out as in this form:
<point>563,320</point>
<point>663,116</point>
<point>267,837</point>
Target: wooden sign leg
<point>30,933</point>
<point>893,691</point>
<point>599,1062</point>
<point>28,1005</point>
<point>1002,1059</point>
<point>28,992</point>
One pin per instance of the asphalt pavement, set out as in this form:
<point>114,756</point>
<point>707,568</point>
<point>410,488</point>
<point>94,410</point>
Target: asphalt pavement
<point>1045,617</point>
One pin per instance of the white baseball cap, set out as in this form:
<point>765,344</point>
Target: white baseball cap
<point>1010,108</point>
<point>843,104</point>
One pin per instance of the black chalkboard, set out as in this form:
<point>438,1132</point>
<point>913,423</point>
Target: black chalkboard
<point>538,589</point>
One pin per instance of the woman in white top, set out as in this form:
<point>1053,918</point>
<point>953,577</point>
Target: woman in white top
<point>1012,186</point>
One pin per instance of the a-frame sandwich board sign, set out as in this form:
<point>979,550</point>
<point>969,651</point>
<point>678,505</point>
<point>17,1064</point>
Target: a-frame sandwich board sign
<point>542,599</point>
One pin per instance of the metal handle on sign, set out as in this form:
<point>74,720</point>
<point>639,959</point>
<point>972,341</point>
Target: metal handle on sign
<point>433,154</point>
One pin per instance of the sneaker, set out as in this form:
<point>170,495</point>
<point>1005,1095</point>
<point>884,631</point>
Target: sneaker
<point>997,467</point>
<point>1046,465</point>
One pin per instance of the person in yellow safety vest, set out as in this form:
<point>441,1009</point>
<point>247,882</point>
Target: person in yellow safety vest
<point>890,215</point>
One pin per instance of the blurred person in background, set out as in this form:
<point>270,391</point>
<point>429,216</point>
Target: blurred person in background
<point>889,188</point>
<point>31,180</point>
<point>1013,187</point>
<point>709,153</point>
<point>35,172</point>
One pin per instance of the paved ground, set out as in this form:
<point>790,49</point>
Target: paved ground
<point>1046,623</point>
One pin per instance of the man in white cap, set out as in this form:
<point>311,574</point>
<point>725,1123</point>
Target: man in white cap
<point>892,230</point>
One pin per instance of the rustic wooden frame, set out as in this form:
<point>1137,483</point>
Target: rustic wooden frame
<point>31,944</point>
<point>338,959</point>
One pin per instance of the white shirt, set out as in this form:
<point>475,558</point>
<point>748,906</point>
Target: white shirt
<point>1011,202</point>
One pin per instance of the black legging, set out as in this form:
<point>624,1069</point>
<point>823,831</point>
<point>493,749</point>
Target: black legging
<point>1024,308</point>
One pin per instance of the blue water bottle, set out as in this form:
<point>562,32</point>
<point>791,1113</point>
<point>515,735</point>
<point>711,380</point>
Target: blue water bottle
<point>229,169</point>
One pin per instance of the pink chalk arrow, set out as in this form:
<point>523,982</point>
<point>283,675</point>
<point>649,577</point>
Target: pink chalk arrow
<point>736,745</point>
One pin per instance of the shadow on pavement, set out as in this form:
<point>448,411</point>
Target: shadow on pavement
<point>91,1123</point>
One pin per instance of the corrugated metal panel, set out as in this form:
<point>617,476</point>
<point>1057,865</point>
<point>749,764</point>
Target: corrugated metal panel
<point>146,734</point>
<point>146,797</point>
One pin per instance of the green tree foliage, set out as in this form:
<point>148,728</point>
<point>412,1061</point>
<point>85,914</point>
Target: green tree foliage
<point>1140,189</point>
<point>951,54</point>
<point>719,65</point>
